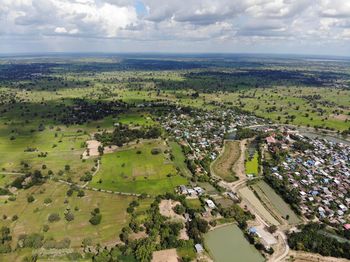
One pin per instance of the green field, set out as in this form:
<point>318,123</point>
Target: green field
<point>137,170</point>
<point>280,103</point>
<point>136,119</point>
<point>252,165</point>
<point>179,158</point>
<point>33,216</point>
<point>63,147</point>
<point>194,203</point>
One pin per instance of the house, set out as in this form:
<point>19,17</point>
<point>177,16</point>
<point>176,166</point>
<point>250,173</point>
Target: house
<point>210,203</point>
<point>198,248</point>
<point>183,189</point>
<point>270,140</point>
<point>347,226</point>
<point>199,190</point>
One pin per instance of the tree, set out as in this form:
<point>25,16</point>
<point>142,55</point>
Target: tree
<point>144,250</point>
<point>67,167</point>
<point>30,199</point>
<point>179,209</point>
<point>69,216</point>
<point>100,150</point>
<point>54,217</point>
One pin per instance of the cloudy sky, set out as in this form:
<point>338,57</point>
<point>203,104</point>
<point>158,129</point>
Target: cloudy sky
<point>235,26</point>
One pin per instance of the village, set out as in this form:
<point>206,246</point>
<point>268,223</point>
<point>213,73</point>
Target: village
<point>319,170</point>
<point>204,131</point>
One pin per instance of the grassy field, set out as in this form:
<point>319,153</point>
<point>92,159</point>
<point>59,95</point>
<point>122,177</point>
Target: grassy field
<point>6,179</point>
<point>137,170</point>
<point>179,158</point>
<point>194,203</point>
<point>33,216</point>
<point>252,165</point>
<point>270,198</point>
<point>331,108</point>
<point>223,165</point>
<point>63,146</point>
<point>136,119</point>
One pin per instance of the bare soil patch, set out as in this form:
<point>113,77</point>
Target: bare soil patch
<point>166,209</point>
<point>168,255</point>
<point>91,148</point>
<point>299,256</point>
<point>341,117</point>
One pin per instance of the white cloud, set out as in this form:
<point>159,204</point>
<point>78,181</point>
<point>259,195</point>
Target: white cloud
<point>61,30</point>
<point>226,22</point>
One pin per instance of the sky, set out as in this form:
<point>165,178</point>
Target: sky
<point>316,27</point>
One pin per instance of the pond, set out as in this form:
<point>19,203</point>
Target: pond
<point>228,244</point>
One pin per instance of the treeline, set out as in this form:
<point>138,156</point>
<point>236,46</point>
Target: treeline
<point>123,134</point>
<point>311,239</point>
<point>243,133</point>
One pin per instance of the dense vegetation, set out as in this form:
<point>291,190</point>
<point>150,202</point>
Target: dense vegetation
<point>311,239</point>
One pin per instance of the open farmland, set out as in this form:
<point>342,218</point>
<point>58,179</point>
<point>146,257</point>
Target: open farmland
<point>33,216</point>
<point>256,204</point>
<point>137,170</point>
<point>269,197</point>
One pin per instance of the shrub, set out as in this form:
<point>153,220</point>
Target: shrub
<point>54,217</point>
<point>69,216</point>
<point>47,200</point>
<point>156,151</point>
<point>81,193</point>
<point>30,199</point>
<point>46,228</point>
<point>14,218</point>
<point>69,192</point>
<point>95,219</point>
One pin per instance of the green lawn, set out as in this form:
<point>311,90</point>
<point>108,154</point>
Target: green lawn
<point>252,165</point>
<point>194,203</point>
<point>136,119</point>
<point>179,158</point>
<point>143,172</point>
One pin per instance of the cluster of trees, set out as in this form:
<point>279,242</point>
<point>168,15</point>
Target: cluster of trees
<point>123,134</point>
<point>36,240</point>
<point>161,232</point>
<point>243,133</point>
<point>83,111</point>
<point>5,240</point>
<point>291,196</point>
<point>96,217</point>
<point>28,180</point>
<point>236,212</point>
<point>311,239</point>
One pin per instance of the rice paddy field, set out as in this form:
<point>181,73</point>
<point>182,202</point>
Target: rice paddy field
<point>272,199</point>
<point>248,194</point>
<point>137,170</point>
<point>227,244</point>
